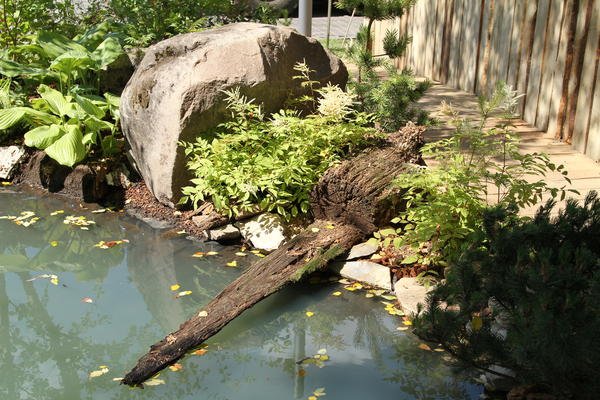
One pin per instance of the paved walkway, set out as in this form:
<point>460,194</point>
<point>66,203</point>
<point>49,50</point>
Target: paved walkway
<point>583,171</point>
<point>339,26</point>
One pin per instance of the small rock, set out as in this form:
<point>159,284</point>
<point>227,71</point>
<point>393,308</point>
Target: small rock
<point>365,271</point>
<point>10,157</point>
<point>362,250</point>
<point>225,234</point>
<point>497,383</point>
<point>265,232</point>
<point>410,293</point>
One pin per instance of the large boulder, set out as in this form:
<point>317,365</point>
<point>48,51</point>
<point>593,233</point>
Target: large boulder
<point>176,93</point>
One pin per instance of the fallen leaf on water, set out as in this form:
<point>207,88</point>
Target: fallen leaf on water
<point>309,314</point>
<point>176,367</point>
<point>54,280</point>
<point>319,392</point>
<point>322,351</point>
<point>407,322</point>
<point>198,254</point>
<point>255,251</point>
<point>81,221</point>
<point>154,382</point>
<point>103,369</point>
<point>6,183</point>
<point>388,297</point>
<point>369,295</point>
<point>423,346</point>
<point>54,243</point>
<point>212,253</point>
<point>184,293</point>
<point>99,211</point>
<point>402,328</point>
<point>111,243</point>
<point>336,293</point>
<point>301,372</point>
<point>261,255</point>
<point>87,300</point>
<point>203,314</point>
<point>181,232</point>
<point>241,254</point>
<point>53,213</point>
<point>439,350</point>
<point>200,352</point>
<point>312,397</point>
<point>175,287</point>
<point>232,264</point>
<point>117,379</point>
<point>344,281</point>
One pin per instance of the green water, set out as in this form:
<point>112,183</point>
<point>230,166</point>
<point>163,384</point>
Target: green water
<point>50,340</point>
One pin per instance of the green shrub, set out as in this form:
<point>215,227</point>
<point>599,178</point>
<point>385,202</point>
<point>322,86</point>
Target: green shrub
<point>525,295</point>
<point>272,163</point>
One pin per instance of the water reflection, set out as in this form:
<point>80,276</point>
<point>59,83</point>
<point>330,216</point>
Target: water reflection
<point>50,340</point>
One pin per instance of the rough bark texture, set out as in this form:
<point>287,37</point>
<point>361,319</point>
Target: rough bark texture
<point>355,196</point>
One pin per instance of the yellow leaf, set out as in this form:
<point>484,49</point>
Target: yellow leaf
<point>388,297</point>
<point>376,257</point>
<point>423,346</point>
<point>175,287</point>
<point>476,323</point>
<point>319,392</point>
<point>241,254</point>
<point>402,328</point>
<point>322,351</point>
<point>154,382</point>
<point>336,293</point>
<point>260,255</point>
<point>103,370</point>
<point>200,352</point>
<point>54,243</point>
<point>181,232</point>
<point>198,254</point>
<point>350,288</point>
<point>232,264</point>
<point>309,314</point>
<point>329,226</point>
<point>439,350</point>
<point>324,357</point>
<point>369,295</point>
<point>315,230</point>
<point>6,183</point>
<point>301,372</point>
<point>184,293</point>
<point>203,314</point>
<point>312,397</point>
<point>407,322</point>
<point>212,253</point>
<point>54,280</point>
<point>57,212</point>
<point>117,379</point>
<point>175,367</point>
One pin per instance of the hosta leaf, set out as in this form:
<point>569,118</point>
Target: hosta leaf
<point>69,149</point>
<point>11,69</point>
<point>88,106</point>
<point>55,44</point>
<point>10,116</point>
<point>43,136</point>
<point>94,36</point>
<point>107,52</point>
<point>58,103</point>
<point>95,124</point>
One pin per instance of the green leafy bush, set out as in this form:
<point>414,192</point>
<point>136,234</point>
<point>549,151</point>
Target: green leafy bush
<point>525,295</point>
<point>472,169</point>
<point>66,127</point>
<point>272,163</point>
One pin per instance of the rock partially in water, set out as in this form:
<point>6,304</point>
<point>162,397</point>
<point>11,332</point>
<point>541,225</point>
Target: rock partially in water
<point>10,157</point>
<point>362,250</point>
<point>410,293</point>
<point>227,233</point>
<point>176,92</point>
<point>265,232</point>
<point>365,271</point>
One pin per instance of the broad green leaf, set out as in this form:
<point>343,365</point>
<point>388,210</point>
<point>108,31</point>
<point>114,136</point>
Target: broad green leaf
<point>55,44</point>
<point>69,149</point>
<point>10,116</point>
<point>107,52</point>
<point>94,36</point>
<point>11,69</point>
<point>58,103</point>
<point>43,136</point>
<point>88,106</point>
<point>70,61</point>
<point>95,124</point>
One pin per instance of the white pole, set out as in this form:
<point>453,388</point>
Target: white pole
<point>328,21</point>
<point>305,17</point>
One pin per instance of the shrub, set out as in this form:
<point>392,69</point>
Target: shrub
<point>272,163</point>
<point>526,297</point>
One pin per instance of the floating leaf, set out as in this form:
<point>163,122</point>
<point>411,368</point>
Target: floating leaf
<point>301,372</point>
<point>309,314</point>
<point>184,293</point>
<point>388,297</point>
<point>198,254</point>
<point>423,346</point>
<point>241,254</point>
<point>87,300</point>
<point>369,295</point>
<point>407,322</point>
<point>154,382</point>
<point>212,253</point>
<point>199,352</point>
<point>103,369</point>
<point>336,293</point>
<point>6,183</point>
<point>54,280</point>
<point>322,351</point>
<point>439,350</point>
<point>53,213</point>
<point>175,287</point>
<point>232,264</point>
<point>319,392</point>
<point>99,211</point>
<point>203,314</point>
<point>176,367</point>
<point>54,243</point>
<point>402,328</point>
<point>111,243</point>
<point>181,232</point>
<point>117,379</point>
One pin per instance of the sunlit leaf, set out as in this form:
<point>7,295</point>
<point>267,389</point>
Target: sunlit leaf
<point>309,314</point>
<point>315,230</point>
<point>175,287</point>
<point>241,254</point>
<point>199,352</point>
<point>54,281</point>
<point>402,328</point>
<point>57,212</point>
<point>198,254</point>
<point>154,382</point>
<point>322,351</point>
<point>87,300</point>
<point>176,367</point>
<point>424,346</point>
<point>212,253</point>
<point>54,243</point>
<point>232,264</point>
<point>336,293</point>
<point>103,369</point>
<point>407,322</point>
<point>184,293</point>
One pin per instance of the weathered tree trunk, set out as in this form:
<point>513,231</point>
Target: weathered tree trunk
<point>350,202</point>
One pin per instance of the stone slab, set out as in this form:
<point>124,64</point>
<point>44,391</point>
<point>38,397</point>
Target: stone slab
<point>365,271</point>
<point>410,293</point>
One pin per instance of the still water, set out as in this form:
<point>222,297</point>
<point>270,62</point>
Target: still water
<point>107,306</point>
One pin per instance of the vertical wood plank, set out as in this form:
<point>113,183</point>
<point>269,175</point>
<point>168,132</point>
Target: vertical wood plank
<point>526,46</point>
<point>587,75</point>
<point>437,37</point>
<point>500,50</point>
<point>470,44</point>
<point>447,38</point>
<point>515,41</point>
<point>548,64</point>
<point>535,75</point>
<point>559,68</point>
<point>455,54</point>
<point>487,31</point>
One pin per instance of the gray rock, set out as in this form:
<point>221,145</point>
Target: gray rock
<point>224,234</point>
<point>10,157</point>
<point>265,232</point>
<point>365,271</point>
<point>176,93</point>
<point>362,250</point>
<point>410,293</point>
<point>497,383</point>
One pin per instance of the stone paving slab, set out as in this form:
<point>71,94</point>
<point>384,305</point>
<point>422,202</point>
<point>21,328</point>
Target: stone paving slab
<point>583,171</point>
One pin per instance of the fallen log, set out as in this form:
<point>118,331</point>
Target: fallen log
<point>350,201</point>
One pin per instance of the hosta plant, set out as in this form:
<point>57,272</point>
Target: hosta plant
<point>66,127</point>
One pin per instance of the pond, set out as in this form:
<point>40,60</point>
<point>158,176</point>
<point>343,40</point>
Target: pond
<point>69,307</point>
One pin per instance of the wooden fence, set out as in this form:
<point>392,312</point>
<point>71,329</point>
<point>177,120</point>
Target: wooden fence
<point>546,49</point>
